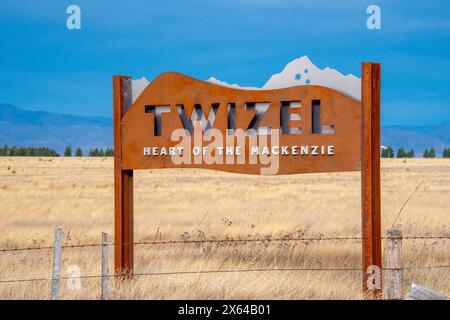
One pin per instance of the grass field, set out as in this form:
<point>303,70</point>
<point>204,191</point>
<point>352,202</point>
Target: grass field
<point>39,194</point>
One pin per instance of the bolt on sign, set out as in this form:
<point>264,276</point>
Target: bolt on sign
<point>181,122</point>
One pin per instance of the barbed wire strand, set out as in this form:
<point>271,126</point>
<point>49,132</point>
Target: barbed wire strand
<point>222,241</point>
<point>219,271</point>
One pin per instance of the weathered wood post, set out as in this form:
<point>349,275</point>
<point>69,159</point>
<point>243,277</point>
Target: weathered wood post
<point>123,183</point>
<point>370,181</point>
<point>394,274</point>
<point>56,272</point>
<point>105,266</point>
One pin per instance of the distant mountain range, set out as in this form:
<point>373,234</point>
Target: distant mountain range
<point>44,129</point>
<point>38,128</point>
<point>418,138</point>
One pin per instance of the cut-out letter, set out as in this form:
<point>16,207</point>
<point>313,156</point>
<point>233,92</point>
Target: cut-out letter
<point>290,117</point>
<point>157,112</point>
<point>198,115</point>
<point>261,109</point>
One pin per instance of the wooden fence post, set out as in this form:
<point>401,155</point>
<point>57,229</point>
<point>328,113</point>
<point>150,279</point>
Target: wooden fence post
<point>56,272</point>
<point>105,266</point>
<point>394,274</point>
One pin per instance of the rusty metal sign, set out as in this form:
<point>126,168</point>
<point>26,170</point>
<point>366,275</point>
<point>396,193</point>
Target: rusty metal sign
<point>181,122</point>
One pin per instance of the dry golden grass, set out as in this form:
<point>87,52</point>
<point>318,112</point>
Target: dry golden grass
<point>37,195</point>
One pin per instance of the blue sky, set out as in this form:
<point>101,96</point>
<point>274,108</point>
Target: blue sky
<point>45,66</point>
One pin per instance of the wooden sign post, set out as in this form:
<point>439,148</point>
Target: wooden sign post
<point>301,129</point>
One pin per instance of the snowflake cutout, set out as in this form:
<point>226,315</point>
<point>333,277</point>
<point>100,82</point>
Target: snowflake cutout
<point>298,76</point>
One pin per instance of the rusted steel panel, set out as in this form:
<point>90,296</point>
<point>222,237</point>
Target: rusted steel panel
<point>174,89</point>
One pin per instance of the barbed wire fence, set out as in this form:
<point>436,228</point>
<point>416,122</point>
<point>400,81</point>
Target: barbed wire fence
<point>199,241</point>
<point>105,275</point>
